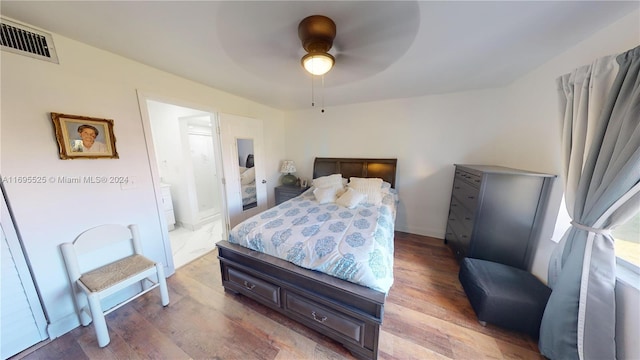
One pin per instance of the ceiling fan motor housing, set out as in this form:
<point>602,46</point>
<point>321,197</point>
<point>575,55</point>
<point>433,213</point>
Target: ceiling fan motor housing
<point>317,33</point>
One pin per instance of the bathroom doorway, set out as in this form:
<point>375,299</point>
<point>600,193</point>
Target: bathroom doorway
<point>189,167</point>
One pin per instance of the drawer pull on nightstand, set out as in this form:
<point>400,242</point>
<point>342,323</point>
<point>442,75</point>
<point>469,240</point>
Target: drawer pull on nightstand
<point>249,285</point>
<point>264,181</point>
<point>320,319</point>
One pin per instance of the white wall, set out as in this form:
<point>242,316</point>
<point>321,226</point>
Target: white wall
<point>427,135</point>
<point>91,82</point>
<point>515,126</point>
<point>534,98</point>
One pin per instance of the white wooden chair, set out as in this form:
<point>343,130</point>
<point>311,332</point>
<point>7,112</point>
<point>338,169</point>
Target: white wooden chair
<point>103,261</point>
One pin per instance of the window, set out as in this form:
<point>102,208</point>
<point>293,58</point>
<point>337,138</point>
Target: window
<point>627,238</point>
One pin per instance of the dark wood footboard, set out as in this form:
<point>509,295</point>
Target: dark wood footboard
<point>348,313</point>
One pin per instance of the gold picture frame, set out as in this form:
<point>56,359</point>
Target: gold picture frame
<point>83,137</point>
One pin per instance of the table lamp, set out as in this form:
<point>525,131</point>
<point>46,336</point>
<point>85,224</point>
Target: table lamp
<point>288,167</point>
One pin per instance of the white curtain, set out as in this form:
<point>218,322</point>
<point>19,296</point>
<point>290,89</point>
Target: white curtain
<point>600,116</point>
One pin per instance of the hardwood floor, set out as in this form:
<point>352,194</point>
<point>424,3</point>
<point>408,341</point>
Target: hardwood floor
<point>427,316</point>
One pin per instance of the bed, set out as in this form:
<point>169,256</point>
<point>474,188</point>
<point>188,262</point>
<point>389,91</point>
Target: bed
<point>334,305</point>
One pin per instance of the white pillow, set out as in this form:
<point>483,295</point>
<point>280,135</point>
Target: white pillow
<point>327,181</point>
<point>242,169</point>
<point>350,198</point>
<point>371,187</point>
<point>334,181</point>
<point>325,195</point>
<point>248,176</point>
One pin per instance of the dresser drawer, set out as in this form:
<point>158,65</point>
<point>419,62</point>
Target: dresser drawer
<point>325,317</point>
<point>462,214</point>
<point>456,223</point>
<point>284,192</point>
<point>466,194</point>
<point>452,239</point>
<point>248,284</point>
<point>471,178</point>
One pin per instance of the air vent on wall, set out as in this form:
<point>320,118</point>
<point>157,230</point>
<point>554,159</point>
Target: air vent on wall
<point>21,39</point>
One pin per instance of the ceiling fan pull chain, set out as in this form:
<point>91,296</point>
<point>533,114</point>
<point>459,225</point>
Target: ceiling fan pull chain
<point>322,96</point>
<point>312,95</point>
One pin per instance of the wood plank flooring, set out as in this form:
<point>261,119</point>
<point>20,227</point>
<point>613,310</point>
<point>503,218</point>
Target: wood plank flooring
<point>427,316</point>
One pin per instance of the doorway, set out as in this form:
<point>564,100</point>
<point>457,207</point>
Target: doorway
<point>189,170</point>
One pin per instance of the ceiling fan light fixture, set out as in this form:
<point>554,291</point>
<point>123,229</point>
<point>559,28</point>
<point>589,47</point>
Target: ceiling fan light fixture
<point>318,63</point>
<point>317,33</point>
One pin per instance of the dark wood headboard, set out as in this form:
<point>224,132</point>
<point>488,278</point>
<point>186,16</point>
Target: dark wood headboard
<point>364,168</point>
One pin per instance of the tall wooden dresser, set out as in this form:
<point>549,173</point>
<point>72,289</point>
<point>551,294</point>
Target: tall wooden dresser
<point>495,212</point>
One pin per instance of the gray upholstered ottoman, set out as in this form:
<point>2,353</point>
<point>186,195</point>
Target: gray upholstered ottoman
<point>503,295</point>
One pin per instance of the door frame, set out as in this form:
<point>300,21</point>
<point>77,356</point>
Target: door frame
<point>143,96</point>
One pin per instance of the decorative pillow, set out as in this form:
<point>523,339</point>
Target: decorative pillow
<point>371,187</point>
<point>334,181</point>
<point>350,198</point>
<point>325,195</point>
<point>242,169</point>
<point>327,181</point>
<point>386,189</point>
<point>248,176</point>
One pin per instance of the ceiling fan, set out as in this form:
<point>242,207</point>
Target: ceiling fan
<point>268,39</point>
<point>317,33</point>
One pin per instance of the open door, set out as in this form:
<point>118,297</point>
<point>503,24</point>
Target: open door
<point>243,162</point>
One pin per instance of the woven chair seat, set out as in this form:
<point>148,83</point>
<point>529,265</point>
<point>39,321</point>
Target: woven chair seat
<point>115,272</point>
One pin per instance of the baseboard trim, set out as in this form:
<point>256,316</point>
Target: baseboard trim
<point>434,233</point>
<point>63,326</point>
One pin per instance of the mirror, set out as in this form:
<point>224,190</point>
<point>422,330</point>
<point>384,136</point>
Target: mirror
<point>247,171</point>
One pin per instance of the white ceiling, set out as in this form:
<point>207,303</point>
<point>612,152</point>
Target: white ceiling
<point>383,49</point>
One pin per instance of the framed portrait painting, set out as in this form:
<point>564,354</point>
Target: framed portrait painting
<point>82,137</point>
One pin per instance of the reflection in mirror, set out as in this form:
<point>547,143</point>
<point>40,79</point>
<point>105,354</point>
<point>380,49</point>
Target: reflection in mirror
<point>247,173</point>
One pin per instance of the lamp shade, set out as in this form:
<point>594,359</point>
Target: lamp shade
<point>288,167</point>
<point>318,63</point>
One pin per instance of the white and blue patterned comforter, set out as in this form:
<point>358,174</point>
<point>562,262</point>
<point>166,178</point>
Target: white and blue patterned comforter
<point>249,193</point>
<point>355,245</point>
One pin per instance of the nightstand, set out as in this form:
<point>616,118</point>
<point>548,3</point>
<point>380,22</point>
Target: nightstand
<point>286,192</point>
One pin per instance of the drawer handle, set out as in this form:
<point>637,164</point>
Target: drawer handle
<point>320,319</point>
<point>249,285</point>
<point>456,187</point>
<point>471,197</point>
<point>467,218</point>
